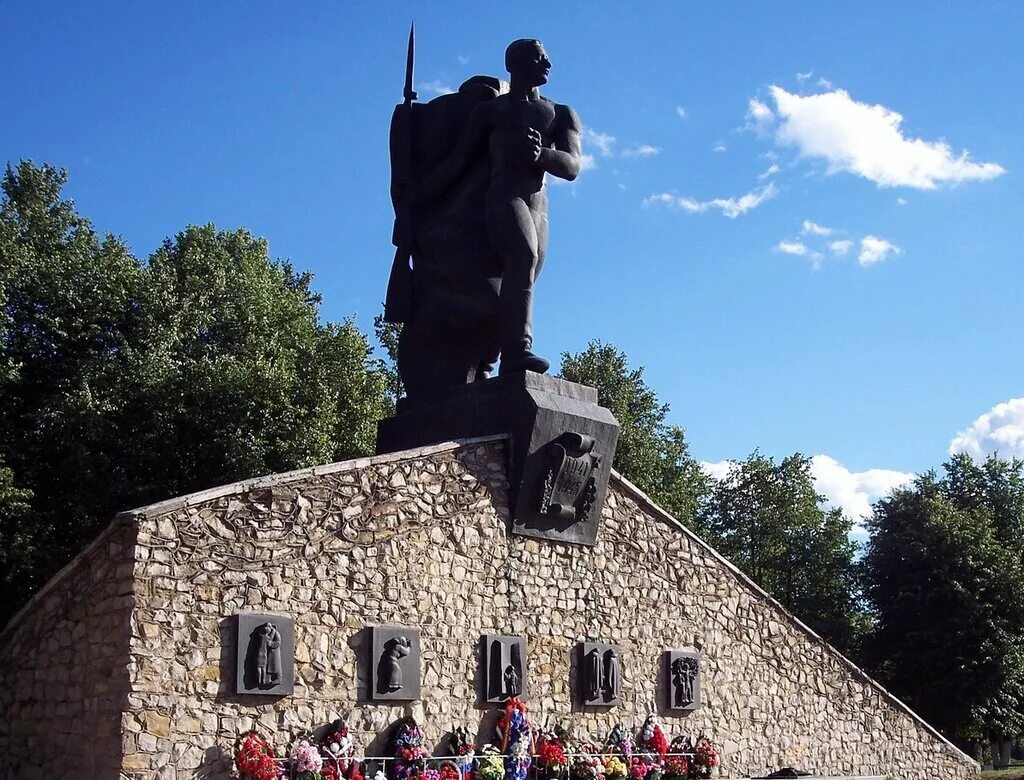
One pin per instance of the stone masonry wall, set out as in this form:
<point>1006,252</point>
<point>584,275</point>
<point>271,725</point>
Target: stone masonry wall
<point>64,668</point>
<point>420,539</point>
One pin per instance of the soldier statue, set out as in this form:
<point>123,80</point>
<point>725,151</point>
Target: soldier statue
<point>468,184</point>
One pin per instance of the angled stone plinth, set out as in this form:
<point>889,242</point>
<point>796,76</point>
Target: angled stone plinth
<point>561,445</point>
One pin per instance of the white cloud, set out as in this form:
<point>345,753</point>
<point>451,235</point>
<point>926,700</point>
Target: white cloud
<point>719,146</point>
<point>681,112</point>
<point>462,59</point>
<point>792,248</point>
<point>840,247</point>
<point>824,83</point>
<point>731,207</point>
<point>1001,429</point>
<point>802,77</point>
<point>811,228</point>
<point>800,249</point>
<point>641,150</point>
<point>853,491</point>
<point>719,470</point>
<point>436,87</point>
<point>875,250</point>
<point>603,142</point>
<point>587,163</point>
<point>866,140</point>
<point>772,170</point>
<point>901,201</point>
<point>759,116</point>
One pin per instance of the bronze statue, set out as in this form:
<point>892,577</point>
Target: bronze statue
<point>468,186</point>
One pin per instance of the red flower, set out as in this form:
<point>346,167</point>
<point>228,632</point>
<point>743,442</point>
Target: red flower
<point>552,755</point>
<point>255,758</point>
<point>448,772</point>
<point>658,742</point>
<point>677,765</point>
<point>706,755</point>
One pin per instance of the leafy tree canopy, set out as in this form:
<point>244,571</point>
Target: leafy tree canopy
<point>651,453</point>
<point>126,382</point>
<point>944,587</point>
<point>768,519</point>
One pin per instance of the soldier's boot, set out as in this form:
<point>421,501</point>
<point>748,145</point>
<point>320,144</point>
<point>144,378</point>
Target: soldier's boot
<point>516,311</point>
<point>520,358</point>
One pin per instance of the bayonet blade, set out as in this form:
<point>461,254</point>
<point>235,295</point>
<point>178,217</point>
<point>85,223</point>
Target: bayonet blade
<point>410,58</point>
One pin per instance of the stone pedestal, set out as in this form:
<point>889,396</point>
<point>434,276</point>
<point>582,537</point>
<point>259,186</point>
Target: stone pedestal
<point>560,450</point>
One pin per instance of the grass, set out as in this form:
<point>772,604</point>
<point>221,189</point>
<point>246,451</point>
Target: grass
<point>1010,773</point>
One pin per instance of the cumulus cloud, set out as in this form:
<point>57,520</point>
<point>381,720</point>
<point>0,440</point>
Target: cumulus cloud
<point>731,207</point>
<point>587,163</point>
<point>759,116</point>
<point>875,250</point>
<point>603,142</point>
<point>641,150</point>
<point>864,139</point>
<point>814,229</point>
<point>681,112</point>
<point>853,491</point>
<point>719,470</point>
<point>840,247</point>
<point>999,430</point>
<point>436,87</point>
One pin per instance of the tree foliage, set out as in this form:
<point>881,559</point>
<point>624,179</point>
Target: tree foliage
<point>388,334</point>
<point>126,382</point>
<point>651,452</point>
<point>767,518</point>
<point>944,582</point>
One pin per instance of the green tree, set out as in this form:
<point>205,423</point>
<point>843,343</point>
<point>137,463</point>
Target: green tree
<point>388,334</point>
<point>995,486</point>
<point>944,590</point>
<point>651,453</point>
<point>125,383</point>
<point>768,519</point>
<point>236,375</point>
<point>70,322</point>
<point>16,548</point>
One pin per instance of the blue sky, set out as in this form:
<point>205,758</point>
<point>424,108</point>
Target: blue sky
<point>871,336</point>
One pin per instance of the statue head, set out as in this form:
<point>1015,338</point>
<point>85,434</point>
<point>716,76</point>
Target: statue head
<point>526,61</point>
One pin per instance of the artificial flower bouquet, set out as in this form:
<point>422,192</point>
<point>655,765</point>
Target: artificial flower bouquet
<point>490,764</point>
<point>254,758</point>
<point>551,760</point>
<point>705,758</point>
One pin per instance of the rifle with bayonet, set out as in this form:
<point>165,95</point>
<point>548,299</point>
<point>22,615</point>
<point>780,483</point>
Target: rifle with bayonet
<point>399,299</point>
